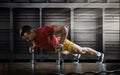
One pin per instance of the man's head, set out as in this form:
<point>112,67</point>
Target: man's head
<point>27,33</point>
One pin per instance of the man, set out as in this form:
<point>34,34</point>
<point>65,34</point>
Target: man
<point>44,37</point>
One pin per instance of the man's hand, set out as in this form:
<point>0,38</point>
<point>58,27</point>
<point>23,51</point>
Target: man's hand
<point>59,47</point>
<point>31,49</point>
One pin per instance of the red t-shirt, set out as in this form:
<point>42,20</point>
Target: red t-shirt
<point>45,38</point>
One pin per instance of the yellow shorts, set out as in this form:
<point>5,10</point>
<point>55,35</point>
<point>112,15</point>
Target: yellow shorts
<point>67,45</point>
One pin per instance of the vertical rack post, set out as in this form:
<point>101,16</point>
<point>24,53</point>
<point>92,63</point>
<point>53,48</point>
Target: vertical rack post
<point>33,62</point>
<point>60,62</point>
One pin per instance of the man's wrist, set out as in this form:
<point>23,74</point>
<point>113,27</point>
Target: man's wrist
<point>61,44</point>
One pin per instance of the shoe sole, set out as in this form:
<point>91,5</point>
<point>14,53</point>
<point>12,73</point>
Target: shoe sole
<point>78,57</point>
<point>101,58</point>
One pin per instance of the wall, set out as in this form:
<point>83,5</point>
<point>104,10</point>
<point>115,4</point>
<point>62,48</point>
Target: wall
<point>91,23</point>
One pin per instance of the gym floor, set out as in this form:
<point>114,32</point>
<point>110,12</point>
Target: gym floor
<point>51,68</point>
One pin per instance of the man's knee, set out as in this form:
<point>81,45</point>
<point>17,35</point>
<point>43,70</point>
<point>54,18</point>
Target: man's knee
<point>84,50</point>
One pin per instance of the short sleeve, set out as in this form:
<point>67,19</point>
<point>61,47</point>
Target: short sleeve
<point>49,30</point>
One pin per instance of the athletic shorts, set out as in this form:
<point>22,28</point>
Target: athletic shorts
<point>67,45</point>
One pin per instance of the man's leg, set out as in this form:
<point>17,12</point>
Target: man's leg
<point>76,57</point>
<point>84,50</point>
<point>76,49</point>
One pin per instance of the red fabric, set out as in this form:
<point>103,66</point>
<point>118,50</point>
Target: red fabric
<point>45,38</point>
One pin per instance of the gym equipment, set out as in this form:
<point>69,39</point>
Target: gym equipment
<point>33,62</point>
<point>60,61</point>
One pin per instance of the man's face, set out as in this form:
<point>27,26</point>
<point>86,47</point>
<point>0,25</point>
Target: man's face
<point>28,36</point>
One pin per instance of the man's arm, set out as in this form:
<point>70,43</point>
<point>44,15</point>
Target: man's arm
<point>62,30</point>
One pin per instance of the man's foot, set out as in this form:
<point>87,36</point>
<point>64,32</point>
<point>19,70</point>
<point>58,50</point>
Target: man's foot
<point>100,58</point>
<point>76,58</point>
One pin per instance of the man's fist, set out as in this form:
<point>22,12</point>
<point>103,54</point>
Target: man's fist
<point>31,49</point>
<point>59,47</point>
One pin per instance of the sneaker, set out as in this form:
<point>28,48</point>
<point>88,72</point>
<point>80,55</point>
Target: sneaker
<point>100,58</point>
<point>76,58</point>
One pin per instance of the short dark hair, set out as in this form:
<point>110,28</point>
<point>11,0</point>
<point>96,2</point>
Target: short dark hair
<point>25,29</point>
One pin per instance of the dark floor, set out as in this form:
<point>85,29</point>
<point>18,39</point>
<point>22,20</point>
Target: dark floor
<point>50,68</point>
